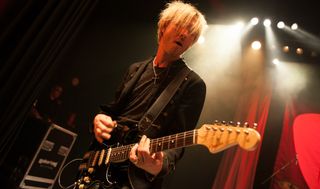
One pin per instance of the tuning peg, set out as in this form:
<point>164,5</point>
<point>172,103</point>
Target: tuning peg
<point>231,123</point>
<point>255,125</point>
<point>238,124</point>
<point>223,122</point>
<point>246,124</point>
<point>216,122</point>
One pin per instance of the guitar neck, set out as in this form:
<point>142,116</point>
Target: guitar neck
<point>174,141</point>
<point>216,138</point>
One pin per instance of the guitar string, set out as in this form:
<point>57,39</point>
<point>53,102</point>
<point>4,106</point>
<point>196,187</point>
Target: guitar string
<point>163,139</point>
<point>154,144</point>
<point>177,136</point>
<point>123,150</point>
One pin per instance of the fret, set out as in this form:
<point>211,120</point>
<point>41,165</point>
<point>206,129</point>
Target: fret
<point>180,140</point>
<point>162,140</point>
<point>126,154</point>
<point>115,154</point>
<point>123,153</point>
<point>118,157</point>
<point>189,138</point>
<point>176,140</point>
<point>171,142</point>
<point>165,143</point>
<point>153,146</point>
<point>157,146</point>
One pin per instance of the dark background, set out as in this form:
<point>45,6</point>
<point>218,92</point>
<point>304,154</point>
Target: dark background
<point>118,33</point>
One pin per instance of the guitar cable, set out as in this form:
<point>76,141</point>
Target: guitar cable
<point>60,173</point>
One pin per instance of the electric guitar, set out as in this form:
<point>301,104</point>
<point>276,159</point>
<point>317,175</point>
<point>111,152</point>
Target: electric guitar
<point>98,166</point>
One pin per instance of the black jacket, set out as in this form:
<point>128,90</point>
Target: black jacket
<point>181,114</point>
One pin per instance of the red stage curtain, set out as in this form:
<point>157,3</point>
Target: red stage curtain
<point>237,168</point>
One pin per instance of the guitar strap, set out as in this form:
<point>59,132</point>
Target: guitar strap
<point>153,112</point>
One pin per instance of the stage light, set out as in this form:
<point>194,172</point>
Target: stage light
<point>267,22</point>
<point>275,61</point>
<point>286,49</point>
<point>239,25</point>
<point>256,45</point>
<point>254,21</point>
<point>280,25</point>
<point>294,26</point>
<point>299,51</point>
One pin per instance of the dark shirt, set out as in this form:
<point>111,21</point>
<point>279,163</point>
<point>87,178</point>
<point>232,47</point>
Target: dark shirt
<point>144,92</point>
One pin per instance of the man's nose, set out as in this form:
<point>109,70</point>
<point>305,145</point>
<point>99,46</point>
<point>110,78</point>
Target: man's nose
<point>184,33</point>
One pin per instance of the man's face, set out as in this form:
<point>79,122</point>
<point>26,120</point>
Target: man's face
<point>176,40</point>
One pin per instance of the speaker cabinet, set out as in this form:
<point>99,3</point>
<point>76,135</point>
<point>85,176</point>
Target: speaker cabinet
<point>49,158</point>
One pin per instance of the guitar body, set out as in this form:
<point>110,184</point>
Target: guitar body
<point>94,172</point>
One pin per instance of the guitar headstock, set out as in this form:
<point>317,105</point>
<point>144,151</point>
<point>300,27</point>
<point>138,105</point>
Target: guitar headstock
<point>220,136</point>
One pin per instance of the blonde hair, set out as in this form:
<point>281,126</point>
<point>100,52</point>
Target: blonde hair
<point>182,14</point>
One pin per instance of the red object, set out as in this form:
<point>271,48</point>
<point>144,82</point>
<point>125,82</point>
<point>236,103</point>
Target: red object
<point>306,132</point>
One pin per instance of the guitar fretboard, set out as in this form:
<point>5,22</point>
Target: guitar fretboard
<point>121,153</point>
